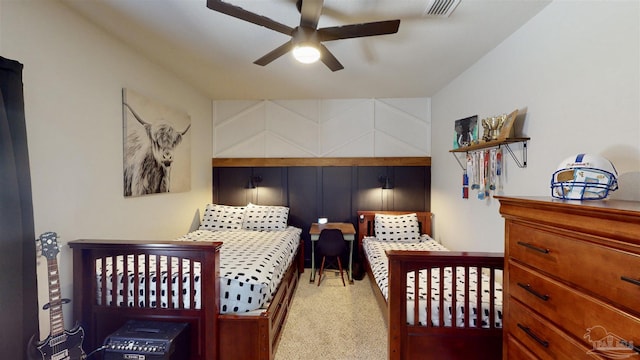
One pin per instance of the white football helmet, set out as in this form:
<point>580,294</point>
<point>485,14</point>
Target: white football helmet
<point>584,177</point>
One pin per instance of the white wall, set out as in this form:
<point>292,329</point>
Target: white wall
<point>73,79</point>
<point>575,69</point>
<point>322,128</point>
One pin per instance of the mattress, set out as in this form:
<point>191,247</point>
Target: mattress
<point>375,252</point>
<point>252,264</point>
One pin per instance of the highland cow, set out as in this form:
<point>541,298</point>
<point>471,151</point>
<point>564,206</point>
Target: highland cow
<point>148,157</point>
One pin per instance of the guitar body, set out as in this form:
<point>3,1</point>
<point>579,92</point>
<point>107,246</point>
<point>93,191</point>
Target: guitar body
<point>66,346</point>
<point>61,344</point>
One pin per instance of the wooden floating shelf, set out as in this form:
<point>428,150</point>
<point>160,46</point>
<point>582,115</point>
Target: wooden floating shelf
<point>496,143</point>
<point>488,144</point>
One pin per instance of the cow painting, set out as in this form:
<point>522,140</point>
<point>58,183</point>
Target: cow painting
<point>149,152</point>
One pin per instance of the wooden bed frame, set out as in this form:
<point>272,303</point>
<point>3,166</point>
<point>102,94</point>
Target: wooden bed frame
<point>423,342</point>
<point>212,335</point>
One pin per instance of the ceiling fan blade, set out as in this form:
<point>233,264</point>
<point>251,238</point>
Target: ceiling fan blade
<point>358,30</point>
<point>310,11</point>
<point>328,59</point>
<point>276,53</point>
<point>242,14</point>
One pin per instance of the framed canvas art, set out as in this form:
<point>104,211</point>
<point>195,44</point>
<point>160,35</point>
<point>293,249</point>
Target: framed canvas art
<point>157,146</point>
<point>465,132</point>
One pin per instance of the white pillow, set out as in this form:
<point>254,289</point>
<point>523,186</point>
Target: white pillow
<point>397,227</point>
<point>263,217</point>
<point>222,217</point>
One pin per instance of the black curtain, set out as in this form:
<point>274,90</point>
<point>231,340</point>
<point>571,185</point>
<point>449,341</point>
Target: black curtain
<point>18,288</point>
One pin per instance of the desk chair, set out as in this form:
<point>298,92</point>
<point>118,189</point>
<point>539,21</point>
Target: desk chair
<point>331,243</point>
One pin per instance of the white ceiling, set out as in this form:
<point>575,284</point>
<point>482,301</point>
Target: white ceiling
<point>215,52</point>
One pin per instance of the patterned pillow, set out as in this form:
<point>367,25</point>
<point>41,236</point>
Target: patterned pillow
<point>222,217</point>
<point>397,227</point>
<point>262,217</point>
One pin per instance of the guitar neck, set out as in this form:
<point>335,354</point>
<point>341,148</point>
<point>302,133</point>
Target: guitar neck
<point>55,299</point>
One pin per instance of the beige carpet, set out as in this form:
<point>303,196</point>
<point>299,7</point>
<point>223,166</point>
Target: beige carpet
<point>333,322</point>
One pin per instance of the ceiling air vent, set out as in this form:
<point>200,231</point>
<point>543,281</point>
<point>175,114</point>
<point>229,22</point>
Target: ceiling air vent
<point>441,8</point>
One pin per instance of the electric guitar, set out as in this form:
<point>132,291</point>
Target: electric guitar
<point>61,344</point>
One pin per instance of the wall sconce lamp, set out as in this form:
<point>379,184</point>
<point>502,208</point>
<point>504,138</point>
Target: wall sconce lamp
<point>253,182</point>
<point>386,183</point>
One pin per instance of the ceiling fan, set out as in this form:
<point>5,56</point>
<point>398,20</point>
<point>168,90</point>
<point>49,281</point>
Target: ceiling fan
<point>307,36</point>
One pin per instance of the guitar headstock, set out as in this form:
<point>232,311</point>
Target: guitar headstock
<point>49,243</point>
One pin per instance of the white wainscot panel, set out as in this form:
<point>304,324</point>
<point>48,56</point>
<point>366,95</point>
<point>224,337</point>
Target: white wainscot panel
<point>331,108</point>
<point>394,122</point>
<point>322,128</point>
<point>253,147</point>
<point>238,129</point>
<point>419,108</point>
<point>277,147</point>
<point>360,147</point>
<point>225,110</point>
<point>386,145</point>
<point>308,109</point>
<point>293,128</point>
<point>346,125</point>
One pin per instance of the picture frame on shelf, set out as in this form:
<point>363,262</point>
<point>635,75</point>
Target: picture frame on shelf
<point>507,130</point>
<point>465,132</point>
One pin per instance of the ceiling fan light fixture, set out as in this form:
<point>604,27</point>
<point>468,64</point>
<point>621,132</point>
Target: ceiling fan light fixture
<point>306,53</point>
<point>307,33</point>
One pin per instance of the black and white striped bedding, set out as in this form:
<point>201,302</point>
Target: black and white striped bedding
<point>252,263</point>
<point>375,252</point>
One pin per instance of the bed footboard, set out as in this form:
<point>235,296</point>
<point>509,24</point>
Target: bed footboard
<point>462,340</point>
<point>102,315</point>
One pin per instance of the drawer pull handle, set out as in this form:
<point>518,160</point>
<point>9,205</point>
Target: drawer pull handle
<point>629,344</point>
<point>533,336</point>
<point>533,247</point>
<point>628,279</point>
<point>535,293</point>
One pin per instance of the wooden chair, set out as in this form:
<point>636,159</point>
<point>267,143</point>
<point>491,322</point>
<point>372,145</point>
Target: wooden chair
<point>331,243</point>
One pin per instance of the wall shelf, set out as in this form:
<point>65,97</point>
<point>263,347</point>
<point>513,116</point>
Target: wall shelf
<point>495,144</point>
<point>321,161</point>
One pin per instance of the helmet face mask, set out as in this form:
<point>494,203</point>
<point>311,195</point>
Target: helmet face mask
<point>584,177</point>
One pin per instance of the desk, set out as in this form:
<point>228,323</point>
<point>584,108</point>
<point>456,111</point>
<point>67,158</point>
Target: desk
<point>349,234</point>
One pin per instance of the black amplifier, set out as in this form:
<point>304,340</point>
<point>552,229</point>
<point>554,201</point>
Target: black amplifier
<point>148,340</point>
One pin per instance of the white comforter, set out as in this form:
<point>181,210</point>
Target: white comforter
<point>252,263</point>
<point>375,252</point>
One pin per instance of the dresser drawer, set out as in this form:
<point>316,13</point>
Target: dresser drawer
<point>517,351</point>
<point>541,337</point>
<point>572,311</point>
<point>608,272</point>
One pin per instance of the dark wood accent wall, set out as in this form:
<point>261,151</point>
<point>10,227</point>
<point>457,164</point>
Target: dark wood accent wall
<point>311,188</point>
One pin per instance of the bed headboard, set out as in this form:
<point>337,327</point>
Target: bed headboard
<point>366,222</point>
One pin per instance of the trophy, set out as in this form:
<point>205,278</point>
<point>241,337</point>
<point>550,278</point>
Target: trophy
<point>492,127</point>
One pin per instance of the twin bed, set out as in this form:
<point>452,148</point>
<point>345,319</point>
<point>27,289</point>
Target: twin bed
<point>445,318</point>
<point>233,280</point>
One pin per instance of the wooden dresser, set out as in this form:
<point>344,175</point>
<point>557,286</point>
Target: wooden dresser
<point>572,279</point>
